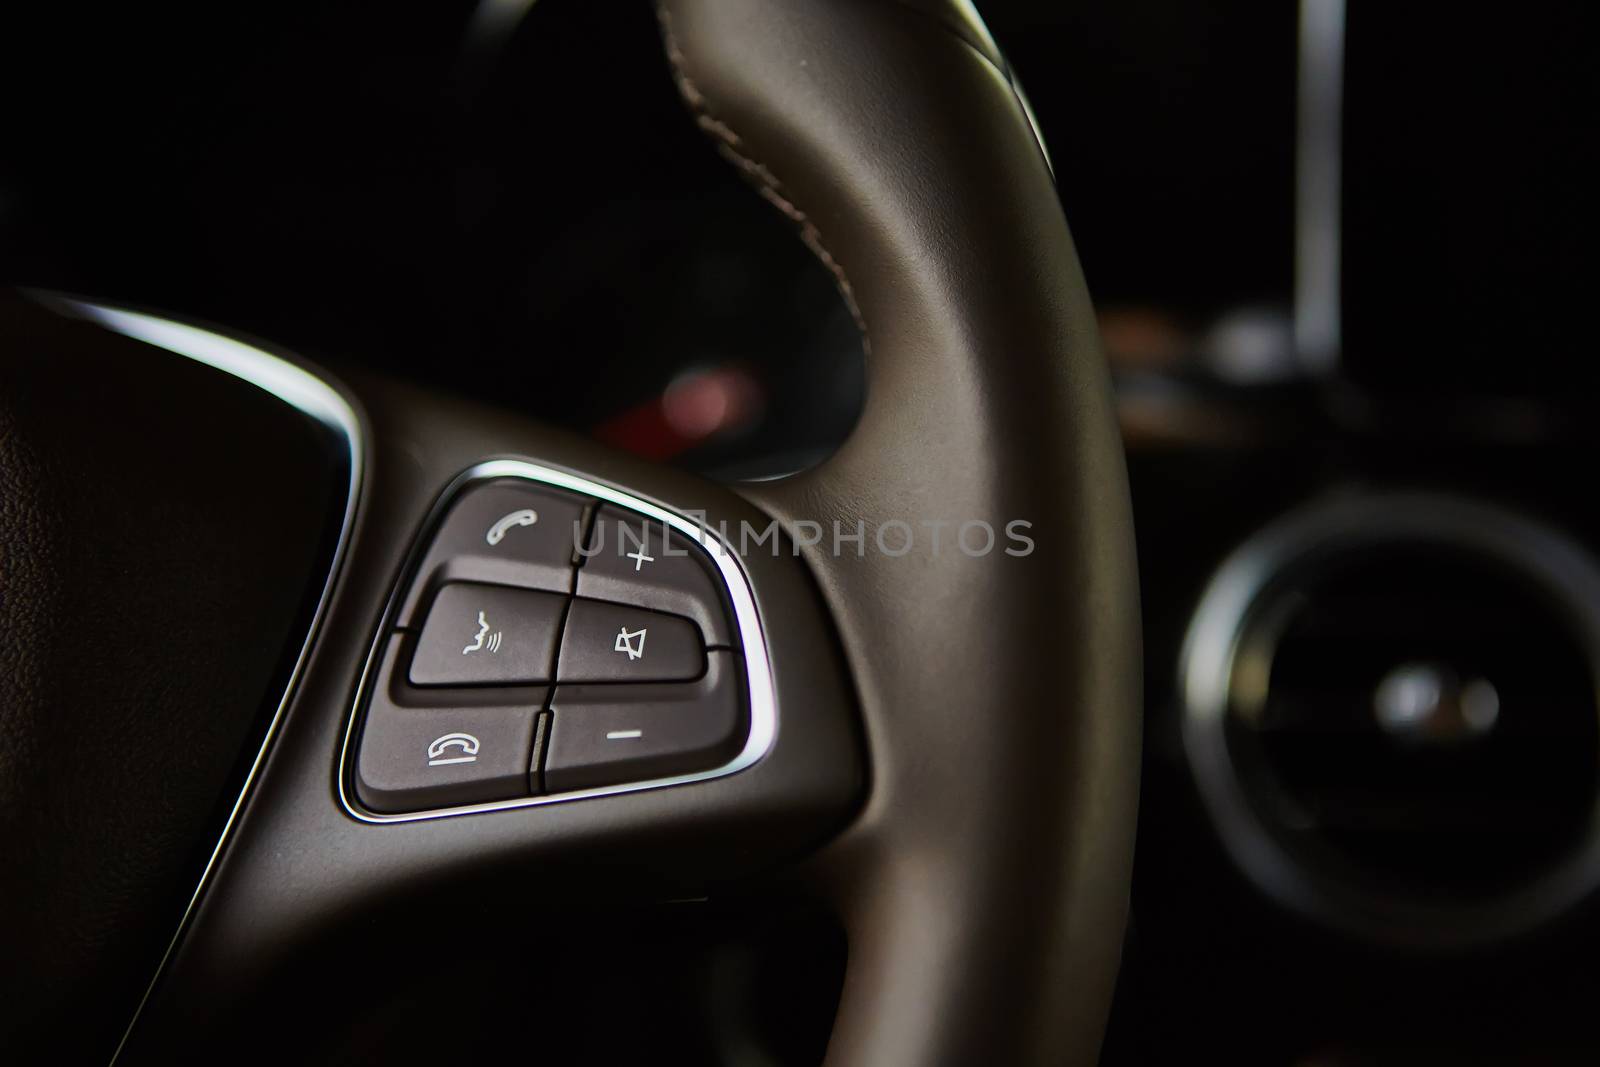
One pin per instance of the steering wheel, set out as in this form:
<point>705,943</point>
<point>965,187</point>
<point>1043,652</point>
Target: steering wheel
<point>938,740</point>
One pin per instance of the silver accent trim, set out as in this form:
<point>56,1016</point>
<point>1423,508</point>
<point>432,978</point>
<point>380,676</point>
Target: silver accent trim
<point>1033,122</point>
<point>1319,171</point>
<point>1551,560</point>
<point>758,669</point>
<point>308,394</point>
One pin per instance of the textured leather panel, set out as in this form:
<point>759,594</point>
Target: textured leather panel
<point>162,526</point>
<point>985,885</point>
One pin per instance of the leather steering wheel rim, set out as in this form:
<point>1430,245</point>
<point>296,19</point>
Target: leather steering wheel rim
<point>984,887</point>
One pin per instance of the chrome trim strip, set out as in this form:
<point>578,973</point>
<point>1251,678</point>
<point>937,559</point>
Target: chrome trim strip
<point>758,670</point>
<point>1319,171</point>
<point>1548,558</point>
<point>295,386</point>
<point>312,396</point>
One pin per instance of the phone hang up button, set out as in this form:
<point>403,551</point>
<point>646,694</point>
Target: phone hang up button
<point>415,757</point>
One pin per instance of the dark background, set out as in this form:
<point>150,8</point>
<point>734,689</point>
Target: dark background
<point>530,216</point>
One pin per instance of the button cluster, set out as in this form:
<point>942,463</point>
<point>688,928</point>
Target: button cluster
<point>547,643</point>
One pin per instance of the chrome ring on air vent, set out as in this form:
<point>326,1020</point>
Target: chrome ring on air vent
<point>1233,653</point>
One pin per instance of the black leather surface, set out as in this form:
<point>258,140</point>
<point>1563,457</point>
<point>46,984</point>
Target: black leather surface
<point>164,530</point>
<point>985,885</point>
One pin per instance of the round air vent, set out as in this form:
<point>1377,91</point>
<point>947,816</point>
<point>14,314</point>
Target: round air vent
<point>1391,712</point>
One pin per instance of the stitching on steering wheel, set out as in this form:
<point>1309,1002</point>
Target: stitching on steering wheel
<point>767,183</point>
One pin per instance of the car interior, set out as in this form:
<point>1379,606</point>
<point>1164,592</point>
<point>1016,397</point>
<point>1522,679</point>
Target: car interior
<point>635,532</point>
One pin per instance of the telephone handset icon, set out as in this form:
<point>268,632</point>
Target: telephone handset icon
<point>521,517</point>
<point>465,747</point>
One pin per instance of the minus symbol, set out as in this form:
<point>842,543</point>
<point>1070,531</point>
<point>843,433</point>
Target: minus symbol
<point>623,735</point>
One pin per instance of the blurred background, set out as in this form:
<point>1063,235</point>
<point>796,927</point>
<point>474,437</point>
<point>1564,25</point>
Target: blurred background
<point>1342,259</point>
